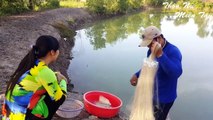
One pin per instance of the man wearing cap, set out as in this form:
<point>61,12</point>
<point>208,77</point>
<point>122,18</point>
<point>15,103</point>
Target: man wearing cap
<point>169,70</point>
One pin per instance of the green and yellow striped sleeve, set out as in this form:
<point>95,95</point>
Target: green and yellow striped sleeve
<point>49,81</point>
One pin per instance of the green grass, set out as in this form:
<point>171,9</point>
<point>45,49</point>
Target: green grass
<point>72,4</point>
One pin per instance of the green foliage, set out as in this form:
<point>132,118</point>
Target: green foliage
<point>208,6</point>
<point>54,3</point>
<point>96,6</point>
<point>119,6</point>
<point>13,7</point>
<point>113,6</point>
<point>72,3</point>
<point>156,2</point>
<point>134,4</point>
<point>45,4</point>
<point>123,5</point>
<point>49,4</point>
<point>19,6</point>
<point>197,3</point>
<point>191,5</point>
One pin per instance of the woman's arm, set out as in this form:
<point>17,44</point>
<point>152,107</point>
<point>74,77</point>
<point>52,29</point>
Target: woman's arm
<point>49,81</point>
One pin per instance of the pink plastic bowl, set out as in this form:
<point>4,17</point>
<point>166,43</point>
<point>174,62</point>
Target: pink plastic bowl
<point>91,97</point>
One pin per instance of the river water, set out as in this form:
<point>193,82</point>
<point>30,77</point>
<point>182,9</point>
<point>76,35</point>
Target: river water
<point>106,55</point>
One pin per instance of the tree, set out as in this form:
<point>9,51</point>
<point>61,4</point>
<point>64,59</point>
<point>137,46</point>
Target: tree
<point>31,5</point>
<point>18,6</point>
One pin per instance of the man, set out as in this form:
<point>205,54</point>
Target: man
<point>169,70</point>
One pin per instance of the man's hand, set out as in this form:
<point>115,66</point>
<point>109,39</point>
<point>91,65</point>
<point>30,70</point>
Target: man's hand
<point>156,49</point>
<point>134,80</point>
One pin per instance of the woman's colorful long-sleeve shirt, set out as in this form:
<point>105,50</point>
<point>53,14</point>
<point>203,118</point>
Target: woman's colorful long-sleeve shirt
<point>29,93</point>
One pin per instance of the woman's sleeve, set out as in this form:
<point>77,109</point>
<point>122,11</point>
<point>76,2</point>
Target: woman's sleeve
<point>48,80</point>
<point>63,85</point>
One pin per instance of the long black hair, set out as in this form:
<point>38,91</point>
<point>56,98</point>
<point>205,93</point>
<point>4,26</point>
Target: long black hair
<point>44,44</point>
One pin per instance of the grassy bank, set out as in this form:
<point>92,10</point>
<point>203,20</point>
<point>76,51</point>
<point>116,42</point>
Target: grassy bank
<point>17,7</point>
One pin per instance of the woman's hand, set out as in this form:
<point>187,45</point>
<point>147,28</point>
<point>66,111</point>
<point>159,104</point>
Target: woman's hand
<point>60,77</point>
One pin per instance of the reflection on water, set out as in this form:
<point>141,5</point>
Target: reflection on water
<point>107,54</point>
<point>118,29</point>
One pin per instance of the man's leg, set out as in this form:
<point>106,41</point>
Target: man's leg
<point>161,111</point>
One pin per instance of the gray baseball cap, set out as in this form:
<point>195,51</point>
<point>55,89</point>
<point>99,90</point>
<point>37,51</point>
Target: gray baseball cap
<point>149,34</point>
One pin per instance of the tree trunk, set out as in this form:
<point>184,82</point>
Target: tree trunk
<point>31,6</point>
<point>1,3</point>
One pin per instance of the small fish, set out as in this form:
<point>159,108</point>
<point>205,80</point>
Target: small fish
<point>103,102</point>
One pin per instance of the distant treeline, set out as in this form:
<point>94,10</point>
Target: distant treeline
<point>19,6</point>
<point>122,6</point>
<point>119,6</point>
<point>98,6</point>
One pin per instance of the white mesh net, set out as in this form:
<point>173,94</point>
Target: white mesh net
<point>142,106</point>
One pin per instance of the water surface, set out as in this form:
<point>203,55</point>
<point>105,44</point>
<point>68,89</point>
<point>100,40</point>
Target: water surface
<point>106,55</point>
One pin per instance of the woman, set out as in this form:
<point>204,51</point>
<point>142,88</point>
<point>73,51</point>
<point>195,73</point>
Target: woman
<point>33,92</point>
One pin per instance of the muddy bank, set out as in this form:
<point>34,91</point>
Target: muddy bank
<point>19,32</point>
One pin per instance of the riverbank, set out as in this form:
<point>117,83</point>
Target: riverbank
<point>19,32</point>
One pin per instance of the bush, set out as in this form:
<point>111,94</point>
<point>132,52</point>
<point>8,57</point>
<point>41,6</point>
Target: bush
<point>72,3</point>
<point>134,4</point>
<point>46,4</point>
<point>123,6</point>
<point>198,4</point>
<point>112,6</point>
<point>19,6</point>
<point>54,4</point>
<point>13,8</point>
<point>209,6</point>
<point>96,6</point>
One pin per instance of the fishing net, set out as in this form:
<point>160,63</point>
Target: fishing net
<point>142,105</point>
